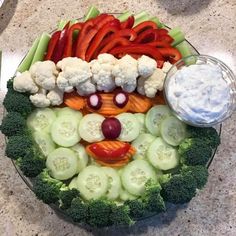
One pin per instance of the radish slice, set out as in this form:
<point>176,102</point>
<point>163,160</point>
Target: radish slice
<point>111,128</point>
<point>121,99</point>
<point>94,101</point>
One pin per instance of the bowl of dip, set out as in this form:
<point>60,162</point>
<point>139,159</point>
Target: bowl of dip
<point>201,90</point>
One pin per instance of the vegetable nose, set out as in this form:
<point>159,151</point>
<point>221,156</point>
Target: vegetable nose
<point>111,128</point>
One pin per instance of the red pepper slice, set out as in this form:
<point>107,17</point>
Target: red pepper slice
<point>171,54</point>
<point>146,36</point>
<point>167,38</point>
<point>128,24</point>
<point>110,27</point>
<point>104,20</point>
<point>115,42</point>
<point>106,154</point>
<point>140,49</point>
<point>59,48</point>
<point>144,25</point>
<point>52,44</point>
<point>159,44</point>
<point>69,44</point>
<point>99,18</point>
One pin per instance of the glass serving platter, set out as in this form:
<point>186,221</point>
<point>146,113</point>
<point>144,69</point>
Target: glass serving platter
<point>61,213</point>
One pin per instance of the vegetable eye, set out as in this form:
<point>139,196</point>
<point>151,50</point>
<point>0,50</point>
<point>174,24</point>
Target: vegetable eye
<point>120,99</point>
<point>94,101</point>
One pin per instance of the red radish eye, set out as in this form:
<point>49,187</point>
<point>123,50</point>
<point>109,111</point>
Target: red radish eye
<point>121,99</point>
<point>94,101</point>
<point>111,128</point>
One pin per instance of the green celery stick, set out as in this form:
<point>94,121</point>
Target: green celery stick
<point>92,12</point>
<point>61,24</point>
<point>177,35</point>
<point>124,16</point>
<point>73,21</point>
<point>141,17</point>
<point>157,21</point>
<point>25,64</point>
<point>187,53</point>
<point>41,48</point>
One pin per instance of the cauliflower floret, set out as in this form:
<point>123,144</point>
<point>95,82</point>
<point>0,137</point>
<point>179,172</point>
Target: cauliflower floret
<point>154,82</point>
<point>40,100</point>
<point>126,73</point>
<point>167,65</point>
<point>44,74</point>
<point>63,84</point>
<point>86,88</point>
<point>74,70</point>
<point>55,96</point>
<point>24,83</point>
<point>102,72</point>
<point>140,87</point>
<point>146,66</point>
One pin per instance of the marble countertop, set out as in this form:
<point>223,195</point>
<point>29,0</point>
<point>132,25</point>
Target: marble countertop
<point>210,27</point>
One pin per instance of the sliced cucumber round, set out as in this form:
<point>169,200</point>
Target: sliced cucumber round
<point>44,142</point>
<point>114,183</point>
<point>62,163</point>
<point>81,155</point>
<point>135,175</point>
<point>125,195</point>
<point>141,144</point>
<point>173,131</point>
<point>90,128</point>
<point>130,127</point>
<point>64,131</point>
<point>73,183</point>
<point>162,156</point>
<point>92,183</point>
<point>68,111</point>
<point>141,119</point>
<point>41,119</point>
<point>154,118</point>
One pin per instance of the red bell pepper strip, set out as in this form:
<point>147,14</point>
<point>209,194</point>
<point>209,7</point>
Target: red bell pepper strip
<point>115,42</point>
<point>110,27</point>
<point>100,23</point>
<point>99,18</point>
<point>171,54</point>
<point>159,44</point>
<point>68,51</point>
<point>102,153</point>
<point>167,38</point>
<point>144,25</point>
<point>140,49</point>
<point>146,36</point>
<point>52,44</point>
<point>128,24</point>
<point>59,49</point>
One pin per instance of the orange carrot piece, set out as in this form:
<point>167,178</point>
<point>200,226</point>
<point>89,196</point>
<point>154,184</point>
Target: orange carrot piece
<point>139,103</point>
<point>74,100</point>
<point>159,99</point>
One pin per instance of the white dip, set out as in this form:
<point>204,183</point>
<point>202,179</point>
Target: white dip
<point>199,93</point>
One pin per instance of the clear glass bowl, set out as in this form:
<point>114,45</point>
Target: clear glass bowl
<point>228,76</point>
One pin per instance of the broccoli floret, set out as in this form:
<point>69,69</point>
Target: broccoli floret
<point>13,124</point>
<point>78,211</point>
<point>194,151</point>
<point>137,208</point>
<point>99,212</point>
<point>66,196</point>
<point>209,135</point>
<point>10,85</point>
<point>17,102</point>
<point>180,188</point>
<point>200,173</point>
<point>152,197</point>
<point>19,146</point>
<point>46,188</point>
<point>120,215</point>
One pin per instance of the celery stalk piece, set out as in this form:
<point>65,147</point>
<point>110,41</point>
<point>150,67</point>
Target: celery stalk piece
<point>141,17</point>
<point>177,35</point>
<point>157,21</point>
<point>25,64</point>
<point>124,16</point>
<point>73,21</point>
<point>92,12</point>
<point>61,24</point>
<point>185,50</point>
<point>41,48</point>
<point>174,31</point>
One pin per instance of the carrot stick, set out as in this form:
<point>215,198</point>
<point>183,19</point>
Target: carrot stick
<point>139,103</point>
<point>74,101</point>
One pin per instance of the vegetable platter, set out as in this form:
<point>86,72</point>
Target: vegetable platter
<point>88,127</point>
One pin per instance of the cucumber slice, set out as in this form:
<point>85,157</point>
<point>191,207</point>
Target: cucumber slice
<point>73,183</point>
<point>41,49</point>
<point>44,142</point>
<point>125,195</point>
<point>92,183</point>
<point>162,156</point>
<point>41,119</point>
<point>135,175</point>
<point>25,64</point>
<point>130,127</point>
<point>114,183</point>
<point>141,119</point>
<point>92,12</point>
<point>82,156</point>
<point>68,111</point>
<point>141,145</point>
<point>64,131</point>
<point>62,163</point>
<point>173,131</point>
<point>154,118</point>
<point>90,128</point>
